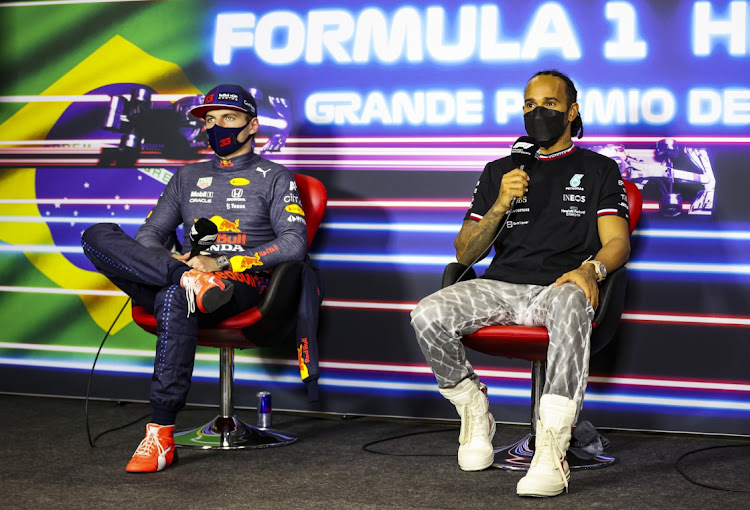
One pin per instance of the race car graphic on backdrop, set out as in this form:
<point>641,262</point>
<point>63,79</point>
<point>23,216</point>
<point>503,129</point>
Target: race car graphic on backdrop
<point>159,128</point>
<point>678,178</point>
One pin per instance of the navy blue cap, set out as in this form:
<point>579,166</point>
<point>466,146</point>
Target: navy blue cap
<point>232,97</point>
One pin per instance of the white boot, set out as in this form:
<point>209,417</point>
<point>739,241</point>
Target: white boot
<point>477,425</point>
<point>549,473</point>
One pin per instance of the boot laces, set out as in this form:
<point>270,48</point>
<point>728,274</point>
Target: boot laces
<point>191,289</point>
<point>147,445</point>
<point>550,453</point>
<point>474,422</point>
<point>465,419</point>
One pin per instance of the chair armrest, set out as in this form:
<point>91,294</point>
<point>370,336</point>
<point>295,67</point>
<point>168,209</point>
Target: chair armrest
<point>282,296</point>
<point>278,307</point>
<point>453,271</point>
<point>611,306</point>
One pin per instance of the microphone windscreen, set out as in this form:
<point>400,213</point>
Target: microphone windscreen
<point>525,152</point>
<point>203,233</point>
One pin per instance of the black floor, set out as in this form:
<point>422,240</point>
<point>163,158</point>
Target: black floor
<point>46,462</point>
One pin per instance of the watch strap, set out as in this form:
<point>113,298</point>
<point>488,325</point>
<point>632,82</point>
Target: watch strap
<point>223,262</point>
<point>599,269</point>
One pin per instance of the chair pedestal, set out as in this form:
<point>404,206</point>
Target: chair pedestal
<point>226,431</point>
<point>231,434</point>
<point>517,457</point>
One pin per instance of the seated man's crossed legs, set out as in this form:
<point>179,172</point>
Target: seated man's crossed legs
<point>172,291</point>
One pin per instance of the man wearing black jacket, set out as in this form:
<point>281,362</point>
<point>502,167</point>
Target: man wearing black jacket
<point>567,229</point>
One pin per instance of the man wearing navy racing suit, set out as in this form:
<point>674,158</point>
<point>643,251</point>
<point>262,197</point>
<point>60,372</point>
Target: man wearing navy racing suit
<point>260,221</point>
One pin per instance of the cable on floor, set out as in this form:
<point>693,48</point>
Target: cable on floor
<point>92,442</point>
<point>368,445</point>
<point>708,486</point>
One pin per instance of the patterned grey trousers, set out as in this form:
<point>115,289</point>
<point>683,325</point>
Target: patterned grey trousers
<point>441,319</point>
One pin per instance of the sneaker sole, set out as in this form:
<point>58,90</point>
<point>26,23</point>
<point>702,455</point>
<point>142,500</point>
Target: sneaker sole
<point>215,298</point>
<point>539,494</point>
<point>174,461</point>
<point>478,467</point>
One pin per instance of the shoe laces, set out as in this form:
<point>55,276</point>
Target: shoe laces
<point>549,450</point>
<point>191,289</point>
<point>147,445</point>
<point>473,423</point>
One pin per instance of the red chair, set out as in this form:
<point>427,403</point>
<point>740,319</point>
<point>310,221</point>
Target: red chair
<point>530,343</point>
<point>274,316</point>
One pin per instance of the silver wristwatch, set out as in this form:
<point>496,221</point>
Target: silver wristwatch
<point>223,262</point>
<point>599,268</point>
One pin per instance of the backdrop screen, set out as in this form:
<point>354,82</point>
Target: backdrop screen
<point>396,108</point>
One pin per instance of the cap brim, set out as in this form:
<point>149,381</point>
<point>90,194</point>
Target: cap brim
<point>201,110</point>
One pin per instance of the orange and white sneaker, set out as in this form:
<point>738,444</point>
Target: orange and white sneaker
<point>155,452</point>
<point>206,290</point>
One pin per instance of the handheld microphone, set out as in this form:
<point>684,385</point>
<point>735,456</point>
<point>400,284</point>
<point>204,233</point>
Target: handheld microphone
<point>524,153</point>
<point>203,234</point>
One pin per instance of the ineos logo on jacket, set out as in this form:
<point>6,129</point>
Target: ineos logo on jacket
<point>570,197</point>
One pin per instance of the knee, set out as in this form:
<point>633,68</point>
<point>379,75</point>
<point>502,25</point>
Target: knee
<point>571,297</point>
<point>170,310</point>
<point>94,233</point>
<point>171,297</point>
<point>426,312</point>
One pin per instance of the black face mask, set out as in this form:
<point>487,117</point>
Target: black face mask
<point>545,125</point>
<point>223,140</point>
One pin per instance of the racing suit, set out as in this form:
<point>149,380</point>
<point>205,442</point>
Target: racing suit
<point>258,212</point>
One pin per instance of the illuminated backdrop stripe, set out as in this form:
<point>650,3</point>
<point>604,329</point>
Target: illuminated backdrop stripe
<point>369,384</point>
<point>53,290</point>
<point>647,317</point>
<point>66,2</point>
<point>436,260</point>
<point>400,140</point>
<point>80,201</point>
<point>391,368</point>
<point>70,219</point>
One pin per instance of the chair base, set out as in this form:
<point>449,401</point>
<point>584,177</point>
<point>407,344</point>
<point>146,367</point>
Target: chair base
<point>517,457</point>
<point>231,434</point>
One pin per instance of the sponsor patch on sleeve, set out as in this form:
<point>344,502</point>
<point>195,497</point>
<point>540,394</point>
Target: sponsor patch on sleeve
<point>294,209</point>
